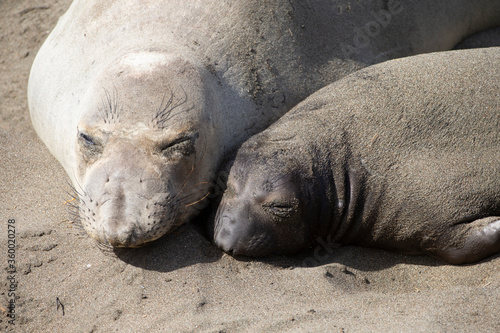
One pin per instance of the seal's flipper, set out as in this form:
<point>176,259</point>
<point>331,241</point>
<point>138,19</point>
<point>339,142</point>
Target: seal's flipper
<point>466,246</point>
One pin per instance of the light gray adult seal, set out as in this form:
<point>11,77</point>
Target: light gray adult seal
<point>403,156</point>
<point>139,100</point>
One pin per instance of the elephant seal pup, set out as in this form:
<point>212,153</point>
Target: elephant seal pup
<point>402,155</point>
<point>139,100</point>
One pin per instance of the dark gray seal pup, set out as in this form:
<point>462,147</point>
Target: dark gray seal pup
<point>139,99</point>
<point>403,156</point>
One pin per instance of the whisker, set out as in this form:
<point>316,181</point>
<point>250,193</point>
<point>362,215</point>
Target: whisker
<point>103,202</point>
<point>194,203</point>
<point>164,112</point>
<point>163,108</point>
<point>108,99</point>
<point>73,214</point>
<point>185,182</point>
<point>220,209</point>
<point>75,207</point>
<point>193,186</point>
<point>103,113</point>
<point>68,201</point>
<point>72,196</point>
<point>81,188</point>
<point>105,248</point>
<point>115,93</point>
<point>109,108</point>
<point>72,205</point>
<point>73,210</point>
<point>72,188</point>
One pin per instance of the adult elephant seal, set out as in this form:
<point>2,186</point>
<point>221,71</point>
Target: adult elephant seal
<point>139,100</point>
<point>403,155</point>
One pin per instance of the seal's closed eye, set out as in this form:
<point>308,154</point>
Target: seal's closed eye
<point>87,139</point>
<point>183,145</point>
<point>90,146</point>
<point>283,209</point>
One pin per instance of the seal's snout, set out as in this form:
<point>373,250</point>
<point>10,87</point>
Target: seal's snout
<point>121,235</point>
<point>118,240</point>
<point>225,236</point>
<point>242,237</point>
<point>125,204</point>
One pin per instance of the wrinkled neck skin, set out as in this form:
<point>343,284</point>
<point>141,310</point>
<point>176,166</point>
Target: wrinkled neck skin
<point>342,213</point>
<point>341,206</point>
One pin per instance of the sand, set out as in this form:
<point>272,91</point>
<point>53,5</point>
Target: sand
<point>183,283</point>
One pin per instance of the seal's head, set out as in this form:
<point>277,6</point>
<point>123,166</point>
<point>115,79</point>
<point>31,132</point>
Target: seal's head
<point>140,144</point>
<point>264,208</point>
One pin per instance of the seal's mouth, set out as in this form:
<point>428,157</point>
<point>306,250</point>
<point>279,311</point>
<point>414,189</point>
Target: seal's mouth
<point>129,240</point>
<point>233,242</point>
<point>126,245</point>
<point>138,233</point>
<point>132,221</point>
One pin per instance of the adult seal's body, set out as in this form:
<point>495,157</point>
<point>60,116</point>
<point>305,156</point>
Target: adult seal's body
<point>403,155</point>
<point>138,100</point>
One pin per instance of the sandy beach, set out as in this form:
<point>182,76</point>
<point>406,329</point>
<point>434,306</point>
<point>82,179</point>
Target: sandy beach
<point>182,283</point>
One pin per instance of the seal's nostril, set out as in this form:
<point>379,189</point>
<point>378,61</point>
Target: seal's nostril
<point>227,220</point>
